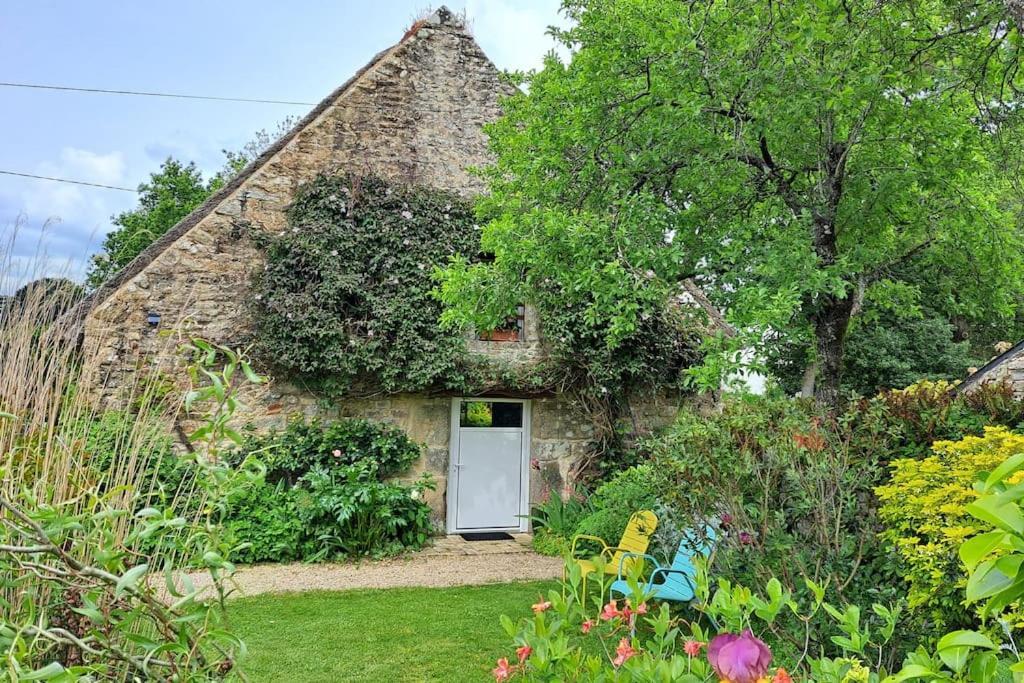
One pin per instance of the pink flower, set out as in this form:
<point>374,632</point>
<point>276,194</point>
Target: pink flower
<point>641,608</point>
<point>746,538</point>
<point>523,652</point>
<point>534,463</point>
<point>540,607</point>
<point>726,519</point>
<point>739,658</point>
<point>586,626</point>
<point>623,652</point>
<point>610,611</point>
<point>503,671</point>
<point>692,647</point>
<point>336,453</point>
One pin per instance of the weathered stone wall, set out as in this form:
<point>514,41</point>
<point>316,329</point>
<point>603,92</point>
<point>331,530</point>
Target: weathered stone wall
<point>1010,370</point>
<point>415,115</point>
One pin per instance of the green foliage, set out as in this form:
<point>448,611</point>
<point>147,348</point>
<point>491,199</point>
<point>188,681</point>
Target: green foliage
<point>349,512</point>
<point>345,301</point>
<point>885,350</point>
<point>637,640</point>
<point>615,501</point>
<point>325,493</point>
<point>790,158</point>
<point>557,519</point>
<point>306,445</point>
<point>925,512</point>
<point>99,592</point>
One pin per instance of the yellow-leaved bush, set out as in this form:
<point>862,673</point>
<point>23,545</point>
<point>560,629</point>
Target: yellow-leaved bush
<point>923,509</point>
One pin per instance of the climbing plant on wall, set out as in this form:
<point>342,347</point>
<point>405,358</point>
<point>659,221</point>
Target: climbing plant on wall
<point>345,301</point>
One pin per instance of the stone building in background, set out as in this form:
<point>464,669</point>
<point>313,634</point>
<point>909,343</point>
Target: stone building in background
<point>414,114</point>
<point>1007,367</point>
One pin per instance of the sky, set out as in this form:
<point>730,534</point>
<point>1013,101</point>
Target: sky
<point>299,50</point>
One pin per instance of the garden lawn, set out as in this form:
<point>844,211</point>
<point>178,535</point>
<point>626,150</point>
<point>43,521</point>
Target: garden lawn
<point>397,634</point>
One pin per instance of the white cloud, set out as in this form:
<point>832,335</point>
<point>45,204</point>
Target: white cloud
<point>514,33</point>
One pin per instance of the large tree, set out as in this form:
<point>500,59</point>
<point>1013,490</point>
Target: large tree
<point>797,159</point>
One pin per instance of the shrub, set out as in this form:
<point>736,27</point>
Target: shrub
<point>325,493</point>
<point>303,446</point>
<point>557,519</point>
<point>924,508</point>
<point>615,501</point>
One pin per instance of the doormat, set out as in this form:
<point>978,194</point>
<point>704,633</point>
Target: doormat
<point>487,536</point>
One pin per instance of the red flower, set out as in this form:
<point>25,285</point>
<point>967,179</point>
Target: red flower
<point>540,607</point>
<point>610,611</point>
<point>692,647</point>
<point>586,626</point>
<point>523,652</point>
<point>623,652</point>
<point>503,671</point>
<point>782,676</point>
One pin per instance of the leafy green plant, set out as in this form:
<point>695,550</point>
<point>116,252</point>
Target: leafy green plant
<point>97,578</point>
<point>637,640</point>
<point>345,301</point>
<point>329,491</point>
<point>615,501</point>
<point>925,511</point>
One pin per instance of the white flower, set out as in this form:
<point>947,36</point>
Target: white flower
<point>415,495</point>
<point>334,252</point>
<point>649,274</point>
<point>407,215</point>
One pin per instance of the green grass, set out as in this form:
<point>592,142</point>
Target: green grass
<point>399,634</point>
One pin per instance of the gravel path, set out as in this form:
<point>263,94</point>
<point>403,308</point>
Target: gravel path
<point>427,571</point>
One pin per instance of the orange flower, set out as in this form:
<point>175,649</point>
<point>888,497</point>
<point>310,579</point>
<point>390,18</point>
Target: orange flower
<point>624,651</point>
<point>692,647</point>
<point>782,676</point>
<point>541,607</point>
<point>587,625</point>
<point>523,652</point>
<point>503,671</point>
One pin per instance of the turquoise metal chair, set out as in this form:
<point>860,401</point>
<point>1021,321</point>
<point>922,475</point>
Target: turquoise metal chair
<point>674,583</point>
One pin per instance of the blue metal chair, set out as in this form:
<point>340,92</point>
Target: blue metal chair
<point>675,582</point>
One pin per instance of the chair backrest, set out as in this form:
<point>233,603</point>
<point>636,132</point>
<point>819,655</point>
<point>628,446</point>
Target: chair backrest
<point>694,542</point>
<point>635,539</point>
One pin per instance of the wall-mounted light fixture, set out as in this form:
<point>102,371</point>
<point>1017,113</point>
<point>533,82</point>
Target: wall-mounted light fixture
<point>153,318</point>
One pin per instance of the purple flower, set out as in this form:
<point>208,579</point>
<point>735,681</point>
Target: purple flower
<point>739,658</point>
<point>746,538</point>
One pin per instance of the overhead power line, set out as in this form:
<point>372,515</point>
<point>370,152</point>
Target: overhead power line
<point>179,96</point>
<point>67,180</point>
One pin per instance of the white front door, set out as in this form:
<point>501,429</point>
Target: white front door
<point>488,483</point>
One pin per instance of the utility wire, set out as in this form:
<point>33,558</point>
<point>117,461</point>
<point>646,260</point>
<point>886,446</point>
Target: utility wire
<point>153,94</point>
<point>66,180</point>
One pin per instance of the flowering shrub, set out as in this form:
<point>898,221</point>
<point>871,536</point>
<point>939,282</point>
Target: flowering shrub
<point>345,301</point>
<point>925,510</point>
<point>627,640</point>
<point>329,492</point>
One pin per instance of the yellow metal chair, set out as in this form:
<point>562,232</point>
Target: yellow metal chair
<point>635,540</point>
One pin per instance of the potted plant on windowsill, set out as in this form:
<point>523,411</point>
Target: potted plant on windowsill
<point>501,335</point>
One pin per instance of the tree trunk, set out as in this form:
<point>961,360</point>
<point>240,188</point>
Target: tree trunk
<point>1016,8</point>
<point>810,376</point>
<point>830,324</point>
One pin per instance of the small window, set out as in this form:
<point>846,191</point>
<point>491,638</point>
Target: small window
<point>513,329</point>
<point>490,414</point>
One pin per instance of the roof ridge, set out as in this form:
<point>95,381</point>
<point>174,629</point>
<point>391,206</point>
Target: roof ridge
<point>179,229</point>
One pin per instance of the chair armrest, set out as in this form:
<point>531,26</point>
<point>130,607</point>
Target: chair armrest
<point>577,537</point>
<point>669,570</point>
<point>622,560</point>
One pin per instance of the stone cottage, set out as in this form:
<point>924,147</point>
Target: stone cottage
<point>415,113</point>
<point>1008,367</point>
